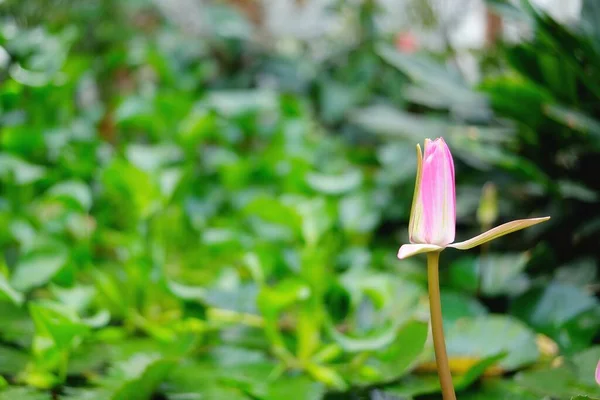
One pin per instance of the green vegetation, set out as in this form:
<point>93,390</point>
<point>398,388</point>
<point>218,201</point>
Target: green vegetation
<point>189,212</point>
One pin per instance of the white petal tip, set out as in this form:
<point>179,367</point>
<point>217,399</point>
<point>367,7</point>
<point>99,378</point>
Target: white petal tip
<point>409,250</point>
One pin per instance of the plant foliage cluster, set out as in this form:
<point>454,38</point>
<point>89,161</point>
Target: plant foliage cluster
<point>193,208</point>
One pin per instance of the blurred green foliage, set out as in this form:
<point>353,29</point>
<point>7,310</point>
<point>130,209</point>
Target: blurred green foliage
<point>189,212</point>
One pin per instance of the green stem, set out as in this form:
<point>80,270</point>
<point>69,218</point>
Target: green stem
<point>437,326</point>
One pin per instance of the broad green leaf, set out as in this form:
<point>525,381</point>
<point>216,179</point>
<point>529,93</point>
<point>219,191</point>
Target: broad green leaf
<point>186,292</point>
<point>142,375</point>
<point>316,218</point>
<point>38,267</point>
<point>457,306</point>
<point>477,370</point>
<point>503,273</point>
<point>12,361</point>
<point>463,274</point>
<point>420,385</point>
<point>58,324</point>
<point>184,381</point>
<point>234,102</point>
<point>7,290</point>
<point>437,85</point>
<point>577,273</point>
<point>275,211</point>
<point>76,192</point>
<point>335,184</point>
<point>564,312</point>
<point>22,393</point>
<point>396,298</point>
<point>585,361</point>
<point>271,300</point>
<point>574,377</point>
<point>577,191</point>
<point>371,342</point>
<point>424,69</point>
<point>392,123</point>
<point>390,361</point>
<point>295,388</point>
<point>486,336</point>
<point>86,394</point>
<point>77,298</point>
<point>498,389</point>
<point>22,171</point>
<point>131,189</point>
<point>518,98</point>
<point>152,158</point>
<point>17,326</point>
<point>336,99</point>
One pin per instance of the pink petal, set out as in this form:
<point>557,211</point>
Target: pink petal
<point>409,250</point>
<point>433,215</point>
<point>498,231</point>
<point>598,373</point>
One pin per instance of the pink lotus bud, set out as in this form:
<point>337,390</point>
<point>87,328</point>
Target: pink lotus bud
<point>433,215</point>
<point>598,373</point>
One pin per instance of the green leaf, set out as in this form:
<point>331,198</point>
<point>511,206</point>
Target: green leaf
<point>390,361</point>
<point>8,291</point>
<point>58,329</point>
<point>21,393</point>
<point>183,381</point>
<point>38,267</point>
<point>295,388</point>
<point>498,389</point>
<point>131,189</point>
<point>577,273</point>
<point>463,274</point>
<point>76,192</point>
<point>275,211</point>
<point>334,184</point>
<point>374,341</point>
<point>423,69</point>
<point>235,102</point>
<point>142,374</point>
<point>477,370</point>
<point>517,98</point>
<point>390,122</point>
<point>420,385</point>
<point>575,377</point>
<point>12,361</point>
<point>503,273</point>
<point>458,306</point>
<point>577,191</point>
<point>85,394</point>
<point>17,326</point>
<point>22,172</point>
<point>336,99</point>
<point>487,336</point>
<point>574,119</point>
<point>271,300</point>
<point>357,214</point>
<point>564,312</point>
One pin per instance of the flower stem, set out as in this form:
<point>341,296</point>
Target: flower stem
<point>437,327</point>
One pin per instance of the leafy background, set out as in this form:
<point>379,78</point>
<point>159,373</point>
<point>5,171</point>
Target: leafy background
<point>193,206</point>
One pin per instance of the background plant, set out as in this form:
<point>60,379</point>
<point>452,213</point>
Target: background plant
<point>214,211</point>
